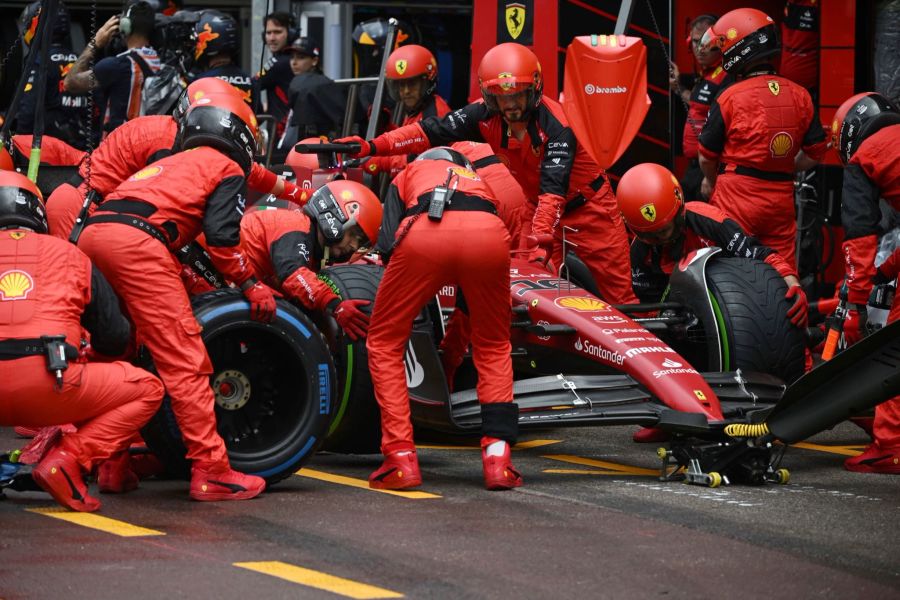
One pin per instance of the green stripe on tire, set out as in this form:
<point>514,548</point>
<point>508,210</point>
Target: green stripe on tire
<point>723,333</point>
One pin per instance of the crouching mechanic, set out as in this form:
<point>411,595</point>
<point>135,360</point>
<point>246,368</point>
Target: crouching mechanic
<point>285,247</point>
<point>49,291</point>
<point>530,134</point>
<point>131,237</point>
<point>134,145</point>
<point>864,133</point>
<point>423,253</point>
<point>666,229</point>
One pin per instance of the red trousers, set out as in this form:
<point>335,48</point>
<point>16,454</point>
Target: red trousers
<point>764,209</point>
<point>63,206</point>
<point>600,242</point>
<point>471,250</point>
<point>146,277</point>
<point>108,402</point>
<point>886,429</point>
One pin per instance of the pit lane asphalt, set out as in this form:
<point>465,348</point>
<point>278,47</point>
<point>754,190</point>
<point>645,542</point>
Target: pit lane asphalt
<point>594,528</point>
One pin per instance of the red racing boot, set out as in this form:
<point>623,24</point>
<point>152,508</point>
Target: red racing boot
<point>499,473</point>
<point>59,474</point>
<point>398,471</point>
<point>214,482</point>
<point>115,475</point>
<point>875,459</point>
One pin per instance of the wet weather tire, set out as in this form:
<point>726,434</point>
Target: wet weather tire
<point>356,427</point>
<point>274,385</point>
<point>749,295</point>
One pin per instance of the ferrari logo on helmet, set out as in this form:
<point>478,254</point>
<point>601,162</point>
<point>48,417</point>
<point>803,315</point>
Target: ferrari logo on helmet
<point>507,81</point>
<point>400,65</point>
<point>203,38</point>
<point>15,285</point>
<point>774,87</point>
<point>17,235</point>
<point>648,211</point>
<point>515,19</point>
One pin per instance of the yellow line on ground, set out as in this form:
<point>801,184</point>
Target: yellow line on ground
<point>842,450</point>
<point>362,484</point>
<point>318,580</point>
<point>582,472</point>
<point>120,528</point>
<point>520,446</point>
<point>590,462</point>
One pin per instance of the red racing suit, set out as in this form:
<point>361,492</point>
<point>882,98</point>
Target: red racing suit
<point>131,237</point>
<point>48,287</point>
<point>711,80</point>
<point>756,127</point>
<point>800,42</point>
<point>872,173</point>
<point>435,106</point>
<point>562,183</point>
<point>704,226</point>
<point>128,148</point>
<point>284,252</point>
<point>425,255</point>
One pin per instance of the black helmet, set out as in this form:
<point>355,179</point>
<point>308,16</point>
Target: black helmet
<point>217,33</point>
<point>28,23</point>
<point>448,154</point>
<point>225,123</point>
<point>368,43</point>
<point>859,117</point>
<point>21,203</point>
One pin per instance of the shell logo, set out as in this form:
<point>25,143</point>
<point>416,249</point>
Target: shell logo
<point>400,65</point>
<point>781,144</point>
<point>648,211</point>
<point>581,303</point>
<point>731,34</point>
<point>463,172</point>
<point>346,195</point>
<point>15,285</point>
<point>146,173</point>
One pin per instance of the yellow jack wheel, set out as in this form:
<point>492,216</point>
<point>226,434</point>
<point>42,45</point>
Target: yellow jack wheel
<point>662,452</point>
<point>782,476</point>
<point>715,480</point>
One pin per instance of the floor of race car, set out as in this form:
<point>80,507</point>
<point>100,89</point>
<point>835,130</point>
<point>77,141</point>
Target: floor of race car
<point>591,522</point>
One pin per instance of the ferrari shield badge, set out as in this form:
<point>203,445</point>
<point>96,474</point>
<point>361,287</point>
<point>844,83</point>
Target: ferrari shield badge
<point>515,19</point>
<point>774,87</point>
<point>648,211</point>
<point>401,66</point>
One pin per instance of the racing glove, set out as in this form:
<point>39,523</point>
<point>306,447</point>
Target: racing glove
<point>262,300</point>
<point>799,310</point>
<point>365,148</point>
<point>353,321</point>
<point>294,193</point>
<point>855,325</point>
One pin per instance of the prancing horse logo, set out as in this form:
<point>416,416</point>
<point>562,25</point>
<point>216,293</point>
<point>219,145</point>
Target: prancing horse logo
<point>515,19</point>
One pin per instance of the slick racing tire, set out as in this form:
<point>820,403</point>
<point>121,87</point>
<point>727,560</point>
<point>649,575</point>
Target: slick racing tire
<point>274,385</point>
<point>749,304</point>
<point>356,428</point>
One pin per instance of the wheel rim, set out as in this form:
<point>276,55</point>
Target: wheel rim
<point>261,389</point>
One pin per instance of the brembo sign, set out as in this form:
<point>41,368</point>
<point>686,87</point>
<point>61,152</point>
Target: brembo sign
<point>590,89</point>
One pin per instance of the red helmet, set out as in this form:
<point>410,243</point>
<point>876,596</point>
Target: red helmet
<point>407,62</point>
<point>508,69</point>
<point>340,205</point>
<point>745,36</point>
<point>223,122</point>
<point>859,117</point>
<point>202,88</point>
<point>649,197</point>
<point>6,161</point>
<point>21,203</point>
<point>296,160</point>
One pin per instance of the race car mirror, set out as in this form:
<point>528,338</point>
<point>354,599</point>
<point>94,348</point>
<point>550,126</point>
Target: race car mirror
<point>605,93</point>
